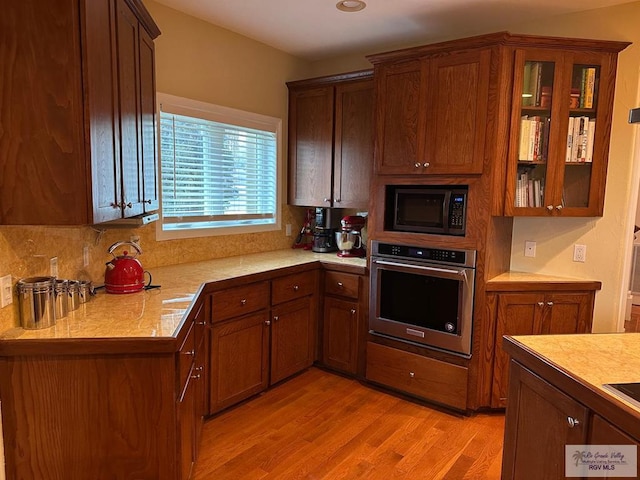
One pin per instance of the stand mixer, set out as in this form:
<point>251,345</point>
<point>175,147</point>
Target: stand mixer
<point>349,238</point>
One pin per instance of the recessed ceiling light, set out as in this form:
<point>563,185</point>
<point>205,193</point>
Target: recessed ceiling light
<point>350,5</point>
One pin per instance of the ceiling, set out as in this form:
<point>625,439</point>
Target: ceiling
<point>316,29</point>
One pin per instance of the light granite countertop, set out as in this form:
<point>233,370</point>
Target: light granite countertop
<point>158,313</point>
<point>592,359</point>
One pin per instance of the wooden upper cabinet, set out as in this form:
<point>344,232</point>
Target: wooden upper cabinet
<point>331,140</point>
<point>560,125</point>
<point>75,156</point>
<point>431,111</point>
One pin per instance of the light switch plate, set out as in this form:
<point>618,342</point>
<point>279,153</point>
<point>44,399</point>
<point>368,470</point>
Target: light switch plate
<point>6,293</point>
<point>529,248</point>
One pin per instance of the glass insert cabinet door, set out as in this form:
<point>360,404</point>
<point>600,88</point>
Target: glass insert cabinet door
<point>559,137</point>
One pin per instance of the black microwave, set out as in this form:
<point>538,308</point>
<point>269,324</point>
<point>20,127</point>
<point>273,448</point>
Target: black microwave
<point>426,209</point>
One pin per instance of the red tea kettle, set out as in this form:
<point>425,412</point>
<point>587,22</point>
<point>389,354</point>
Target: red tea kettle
<point>124,274</point>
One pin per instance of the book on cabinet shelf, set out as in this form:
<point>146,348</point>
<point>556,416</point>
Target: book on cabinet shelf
<point>587,87</point>
<point>580,136</point>
<point>531,84</point>
<point>529,191</point>
<point>534,138</point>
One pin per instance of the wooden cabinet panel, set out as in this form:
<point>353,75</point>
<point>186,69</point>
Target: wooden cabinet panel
<point>331,140</point>
<point>537,421</point>
<point>311,146</point>
<point>292,287</point>
<point>78,159</point>
<point>340,335</point>
<point>234,302</point>
<point>423,377</point>
<point>602,432</point>
<point>535,313</point>
<point>239,359</point>
<point>150,187</point>
<point>292,338</point>
<point>342,284</point>
<point>400,123</point>
<point>187,428</point>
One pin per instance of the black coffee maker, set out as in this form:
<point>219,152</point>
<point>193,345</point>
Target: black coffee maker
<point>326,224</point>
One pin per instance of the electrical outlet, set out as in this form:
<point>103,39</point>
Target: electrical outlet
<point>85,256</point>
<point>53,266</point>
<point>287,229</point>
<point>135,239</point>
<point>529,248</point>
<point>6,293</point>
<point>579,253</point>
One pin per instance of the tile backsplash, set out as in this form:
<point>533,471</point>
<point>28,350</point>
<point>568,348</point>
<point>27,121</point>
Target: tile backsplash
<point>26,251</point>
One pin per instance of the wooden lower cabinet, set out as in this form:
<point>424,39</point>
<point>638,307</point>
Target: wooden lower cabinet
<point>262,333</point>
<point>538,427</point>
<point>344,322</point>
<point>239,359</point>
<point>533,313</point>
<point>416,375</point>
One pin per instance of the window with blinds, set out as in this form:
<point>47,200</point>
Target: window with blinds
<point>219,169</point>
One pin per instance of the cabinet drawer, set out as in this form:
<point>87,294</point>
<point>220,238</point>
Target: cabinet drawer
<point>420,376</point>
<point>186,355</point>
<point>238,301</point>
<point>293,286</point>
<point>342,284</point>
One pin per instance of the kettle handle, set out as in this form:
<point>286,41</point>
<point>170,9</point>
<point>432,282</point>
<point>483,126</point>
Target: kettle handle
<point>119,244</point>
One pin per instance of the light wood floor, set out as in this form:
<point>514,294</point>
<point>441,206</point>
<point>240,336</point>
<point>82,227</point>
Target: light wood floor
<point>323,426</point>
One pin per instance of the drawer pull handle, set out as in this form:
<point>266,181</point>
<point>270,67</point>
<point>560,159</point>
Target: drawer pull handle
<point>296,288</point>
<point>190,352</point>
<point>573,422</point>
<point>412,375</point>
<point>340,284</point>
<point>195,377</point>
<point>243,301</point>
<point>353,311</point>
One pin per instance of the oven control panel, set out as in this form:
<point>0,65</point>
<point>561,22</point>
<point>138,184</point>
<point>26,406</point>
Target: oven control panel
<point>456,257</point>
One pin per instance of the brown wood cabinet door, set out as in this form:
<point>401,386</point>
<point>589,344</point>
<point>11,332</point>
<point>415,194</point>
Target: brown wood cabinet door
<point>353,151</point>
<point>517,314</point>
<point>456,113</point>
<point>340,340</point>
<point>129,101</point>
<point>239,359</point>
<point>311,146</point>
<point>400,117</point>
<point>187,428</point>
<point>537,427</point>
<point>567,313</point>
<point>292,338</point>
<point>148,144</point>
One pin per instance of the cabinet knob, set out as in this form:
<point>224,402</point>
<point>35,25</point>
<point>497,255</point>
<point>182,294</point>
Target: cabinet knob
<point>276,318</point>
<point>296,288</point>
<point>190,352</point>
<point>558,207</point>
<point>550,208</point>
<point>412,375</point>
<point>243,301</point>
<point>116,205</point>
<point>338,200</point>
<point>147,201</point>
<point>573,422</point>
<point>418,165</point>
<point>129,205</point>
<point>340,284</point>
<point>195,377</point>
<point>326,199</point>
<point>353,311</point>
<point>541,304</point>
<point>426,164</point>
<point>267,322</point>
<point>550,304</point>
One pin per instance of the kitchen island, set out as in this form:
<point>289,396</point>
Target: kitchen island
<point>557,398</point>
<point>118,388</point>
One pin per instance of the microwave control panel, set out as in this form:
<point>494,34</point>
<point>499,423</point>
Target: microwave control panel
<point>456,215</point>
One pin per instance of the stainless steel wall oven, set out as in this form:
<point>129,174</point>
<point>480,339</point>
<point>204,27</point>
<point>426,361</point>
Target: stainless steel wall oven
<point>423,295</point>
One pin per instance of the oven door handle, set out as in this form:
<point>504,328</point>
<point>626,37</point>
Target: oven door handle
<point>421,267</point>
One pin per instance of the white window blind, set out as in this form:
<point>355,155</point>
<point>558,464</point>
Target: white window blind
<point>217,174</point>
